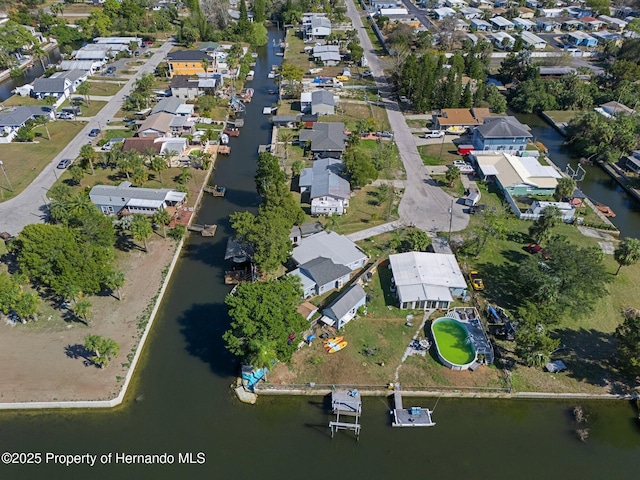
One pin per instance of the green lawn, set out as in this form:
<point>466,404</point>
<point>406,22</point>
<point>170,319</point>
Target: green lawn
<point>416,123</point>
<point>88,109</point>
<point>105,88</point>
<point>295,51</point>
<point>451,338</point>
<point>439,153</point>
<point>563,115</point>
<point>108,134</point>
<point>23,162</point>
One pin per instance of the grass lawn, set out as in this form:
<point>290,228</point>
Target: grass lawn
<point>17,100</point>
<point>23,162</point>
<point>219,114</point>
<point>295,51</point>
<point>560,116</point>
<point>105,88</point>
<point>364,212</point>
<point>393,167</point>
<point>87,109</point>
<point>430,154</point>
<point>451,338</point>
<point>416,123</point>
<point>116,133</point>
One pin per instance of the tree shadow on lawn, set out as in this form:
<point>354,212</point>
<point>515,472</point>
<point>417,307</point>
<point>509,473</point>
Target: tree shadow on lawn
<point>385,275</point>
<point>591,357</point>
<point>501,283</point>
<point>79,351</point>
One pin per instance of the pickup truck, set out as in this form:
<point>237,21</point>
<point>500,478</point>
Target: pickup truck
<point>433,134</point>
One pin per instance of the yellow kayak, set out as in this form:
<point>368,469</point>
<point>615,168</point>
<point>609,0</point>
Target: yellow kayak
<point>335,340</point>
<point>337,347</point>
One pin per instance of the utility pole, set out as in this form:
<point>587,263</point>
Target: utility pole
<point>5,175</point>
<point>450,220</point>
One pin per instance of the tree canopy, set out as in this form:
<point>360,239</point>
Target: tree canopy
<point>263,316</point>
<point>628,336</point>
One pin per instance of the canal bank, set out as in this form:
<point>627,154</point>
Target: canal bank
<point>180,400</point>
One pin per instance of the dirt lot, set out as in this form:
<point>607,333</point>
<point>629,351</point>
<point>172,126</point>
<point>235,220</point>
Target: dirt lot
<point>45,360</point>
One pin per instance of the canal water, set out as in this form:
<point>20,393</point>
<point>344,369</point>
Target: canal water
<point>30,74</point>
<point>597,184</point>
<point>180,401</point>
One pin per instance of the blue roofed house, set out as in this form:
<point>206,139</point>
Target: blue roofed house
<point>321,275</point>
<point>344,308</point>
<point>501,133</point>
<point>328,191</point>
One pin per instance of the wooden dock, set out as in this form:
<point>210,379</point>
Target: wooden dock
<point>234,277</point>
<point>347,403</point>
<point>409,417</point>
<point>223,149</point>
<point>204,230</point>
<point>215,190</point>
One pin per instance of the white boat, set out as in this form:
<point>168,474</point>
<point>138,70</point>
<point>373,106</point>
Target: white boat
<point>271,75</point>
<point>254,55</point>
<point>224,139</point>
<point>250,75</point>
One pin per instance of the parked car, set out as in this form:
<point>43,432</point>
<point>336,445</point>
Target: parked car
<point>136,53</point>
<point>64,163</point>
<point>94,132</point>
<point>535,249</point>
<point>404,99</point>
<point>111,70</point>
<point>463,166</point>
<point>433,134</point>
<point>476,280</point>
<point>65,115</point>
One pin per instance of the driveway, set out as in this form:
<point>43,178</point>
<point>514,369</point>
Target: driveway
<point>30,205</point>
<point>424,204</point>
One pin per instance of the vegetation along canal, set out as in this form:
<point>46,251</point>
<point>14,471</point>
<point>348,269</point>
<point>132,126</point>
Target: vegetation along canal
<point>181,401</point>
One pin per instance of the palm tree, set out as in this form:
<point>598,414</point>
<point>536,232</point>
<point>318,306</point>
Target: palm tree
<point>83,89</point>
<point>185,176</point>
<point>205,66</point>
<point>82,309</point>
<point>141,229</point>
<point>38,53</point>
<point>285,136</point>
<point>104,349</point>
<point>77,173</point>
<point>163,218</point>
<point>115,280</point>
<point>79,204</point>
<point>59,212</point>
<point>158,164</point>
<point>125,165</point>
<point>627,253</point>
<point>139,175</point>
<point>88,154</point>
<point>43,120</point>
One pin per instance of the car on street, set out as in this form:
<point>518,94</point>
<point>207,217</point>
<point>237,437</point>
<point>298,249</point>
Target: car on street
<point>535,249</point>
<point>433,134</point>
<point>64,163</point>
<point>463,166</point>
<point>111,70</point>
<point>94,132</point>
<point>476,280</point>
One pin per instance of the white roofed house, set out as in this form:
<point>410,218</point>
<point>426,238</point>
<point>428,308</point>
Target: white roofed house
<point>444,12</point>
<point>524,23</point>
<point>501,23</point>
<point>344,308</point>
<point>426,280</point>
<point>113,200</point>
<point>532,41</point>
<point>328,192</point>
<point>316,25</point>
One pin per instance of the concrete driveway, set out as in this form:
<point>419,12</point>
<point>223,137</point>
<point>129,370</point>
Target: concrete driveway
<point>30,206</point>
<point>424,204</point>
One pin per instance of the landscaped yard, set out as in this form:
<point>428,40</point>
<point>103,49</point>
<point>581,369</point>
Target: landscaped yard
<point>364,212</point>
<point>23,162</point>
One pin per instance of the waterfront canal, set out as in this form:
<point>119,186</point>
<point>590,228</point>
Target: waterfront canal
<point>180,400</point>
<point>30,74</point>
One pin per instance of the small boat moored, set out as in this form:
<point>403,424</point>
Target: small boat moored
<point>606,211</point>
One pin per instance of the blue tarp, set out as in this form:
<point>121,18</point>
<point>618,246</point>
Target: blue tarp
<point>493,313</point>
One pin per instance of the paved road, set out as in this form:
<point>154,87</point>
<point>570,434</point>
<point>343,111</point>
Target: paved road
<point>30,205</point>
<point>424,204</point>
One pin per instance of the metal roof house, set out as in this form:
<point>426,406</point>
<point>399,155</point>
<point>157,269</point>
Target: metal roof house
<point>174,106</point>
<point>188,87</point>
<point>501,23</point>
<point>532,41</point>
<point>501,133</point>
<point>112,199</point>
<point>330,245</point>
<point>60,84</point>
<point>328,191</point>
<point>426,280</point>
<point>327,139</point>
<point>323,103</point>
<point>316,25</point>
<point>12,119</point>
<point>321,275</point>
<point>157,125</point>
<point>344,308</point>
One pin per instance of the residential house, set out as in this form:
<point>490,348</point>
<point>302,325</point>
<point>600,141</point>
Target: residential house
<point>174,106</point>
<point>460,117</point>
<point>613,23</point>
<point>632,162</point>
<point>287,121</point>
<point>125,41</point>
<point>441,13</point>
<point>328,191</point>
<point>551,12</point>
<point>502,40</point>
<point>531,40</point>
<point>456,3</point>
<point>187,62</point>
<point>557,71</point>
<point>516,176</point>
<point>181,125</point>
<point>569,25</point>
<point>336,247</point>
<point>469,13</point>
<point>327,139</point>
<point>321,275</point>
<point>482,4</point>
<point>567,210</point>
<point>90,66</point>
<point>613,108</point>
<point>426,280</point>
<point>93,54</point>
<point>500,4</point>
<point>524,23</point>
<point>501,133</point>
<point>344,308</point>
<point>316,25</point>
<point>59,85</point>
<point>592,23</point>
<point>580,39</point>
<point>547,24</point>
<point>480,25</point>
<point>323,103</point>
<point>329,55</point>
<point>303,231</point>
<point>111,200</point>
<point>305,102</point>
<point>501,23</point>
<point>190,88</point>
<point>378,4</point>
<point>14,118</point>
<point>604,36</point>
<point>396,12</point>
<point>158,145</point>
<point>526,13</point>
<point>158,125</point>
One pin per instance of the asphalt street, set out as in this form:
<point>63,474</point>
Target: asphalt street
<point>30,206</point>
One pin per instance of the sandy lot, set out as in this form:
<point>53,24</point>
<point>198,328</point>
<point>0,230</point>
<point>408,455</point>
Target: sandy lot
<point>40,362</point>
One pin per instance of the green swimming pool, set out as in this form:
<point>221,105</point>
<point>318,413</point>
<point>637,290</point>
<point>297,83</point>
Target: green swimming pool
<point>452,342</point>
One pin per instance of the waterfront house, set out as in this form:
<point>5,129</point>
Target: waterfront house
<point>567,210</point>
<point>516,176</point>
<point>338,248</point>
<point>59,85</point>
<point>328,192</point>
<point>123,41</point>
<point>321,275</point>
<point>613,108</point>
<point>326,139</point>
<point>316,25</point>
<point>157,125</point>
<point>174,106</point>
<point>344,308</point>
<point>632,162</point>
<point>303,231</point>
<point>157,145</point>
<point>459,117</point>
<point>188,62</point>
<point>14,118</point>
<point>426,280</point>
<point>189,88</point>
<point>113,200</point>
<point>323,103</point>
<point>501,133</point>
